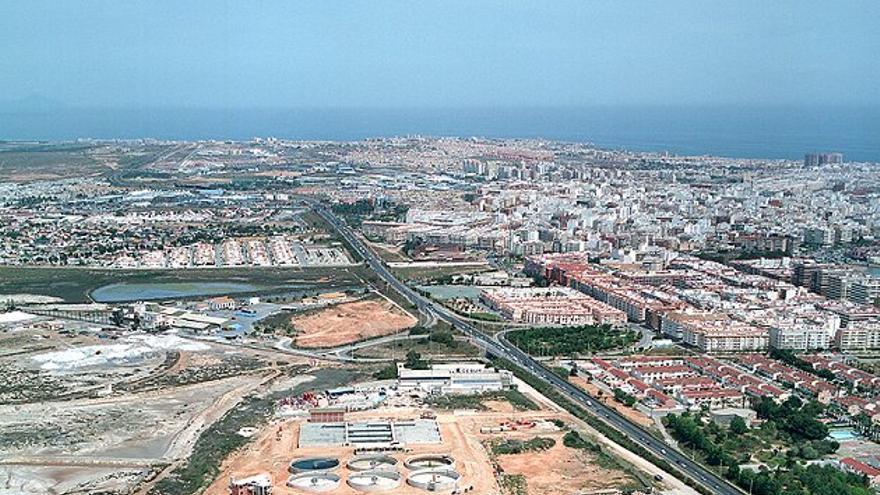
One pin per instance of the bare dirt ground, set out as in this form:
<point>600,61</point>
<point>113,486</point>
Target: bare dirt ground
<point>560,469</point>
<point>499,406</point>
<point>351,322</point>
<point>87,443</point>
<point>54,480</point>
<point>97,435</point>
<point>629,412</point>
<point>266,454</point>
<point>186,439</point>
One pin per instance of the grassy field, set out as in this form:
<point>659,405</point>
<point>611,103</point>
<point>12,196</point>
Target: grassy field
<point>429,273</point>
<point>512,446</point>
<point>387,252</point>
<point>427,348</point>
<point>450,402</point>
<point>566,341</point>
<point>75,284</point>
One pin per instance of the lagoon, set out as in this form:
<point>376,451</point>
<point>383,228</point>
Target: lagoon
<point>122,292</point>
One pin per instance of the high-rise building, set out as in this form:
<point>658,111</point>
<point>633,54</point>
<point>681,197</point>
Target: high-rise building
<point>866,290</point>
<point>840,285</point>
<point>818,236</point>
<point>814,159</point>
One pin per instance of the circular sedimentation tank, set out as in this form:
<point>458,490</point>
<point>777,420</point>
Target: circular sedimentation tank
<point>434,479</point>
<point>315,482</point>
<point>374,481</point>
<point>378,462</point>
<point>429,461</point>
<point>308,464</point>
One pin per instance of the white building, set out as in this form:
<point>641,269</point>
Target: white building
<point>860,336</point>
<point>260,484</point>
<point>454,378</point>
<point>800,338</point>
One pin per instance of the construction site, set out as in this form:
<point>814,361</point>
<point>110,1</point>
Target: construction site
<point>402,446</point>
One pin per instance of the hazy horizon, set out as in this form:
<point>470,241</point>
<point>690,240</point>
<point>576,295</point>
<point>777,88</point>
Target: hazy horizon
<point>446,54</point>
<point>735,131</point>
<point>751,78</point>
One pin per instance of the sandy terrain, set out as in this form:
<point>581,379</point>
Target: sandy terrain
<point>351,322</point>
<point>499,406</point>
<point>94,435</point>
<point>42,480</point>
<point>560,469</point>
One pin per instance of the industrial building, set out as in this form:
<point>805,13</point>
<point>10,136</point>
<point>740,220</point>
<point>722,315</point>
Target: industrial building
<point>380,435</point>
<point>453,378</point>
<point>327,415</point>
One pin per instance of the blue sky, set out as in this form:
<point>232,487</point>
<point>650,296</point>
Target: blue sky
<point>239,54</point>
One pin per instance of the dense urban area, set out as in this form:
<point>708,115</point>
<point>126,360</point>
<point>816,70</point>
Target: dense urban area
<point>411,315</point>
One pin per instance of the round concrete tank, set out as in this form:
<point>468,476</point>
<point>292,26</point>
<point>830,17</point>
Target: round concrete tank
<point>377,462</point>
<point>309,464</point>
<point>429,461</point>
<point>374,481</point>
<point>434,479</point>
<point>315,482</point>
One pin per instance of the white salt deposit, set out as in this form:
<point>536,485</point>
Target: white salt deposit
<point>15,317</point>
<point>169,342</point>
<point>132,351</point>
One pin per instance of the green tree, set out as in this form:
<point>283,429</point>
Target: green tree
<point>738,426</point>
<point>387,373</point>
<point>442,337</point>
<point>414,361</point>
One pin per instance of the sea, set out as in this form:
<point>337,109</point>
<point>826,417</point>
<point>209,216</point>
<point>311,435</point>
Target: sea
<point>770,132</point>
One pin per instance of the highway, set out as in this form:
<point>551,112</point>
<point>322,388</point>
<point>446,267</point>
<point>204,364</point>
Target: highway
<point>504,349</point>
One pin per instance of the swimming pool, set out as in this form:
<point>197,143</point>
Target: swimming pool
<point>843,434</point>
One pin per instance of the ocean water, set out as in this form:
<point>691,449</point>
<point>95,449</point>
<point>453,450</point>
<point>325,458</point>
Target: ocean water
<point>758,132</point>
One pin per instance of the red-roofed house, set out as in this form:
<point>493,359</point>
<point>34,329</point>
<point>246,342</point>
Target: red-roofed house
<point>856,466</point>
